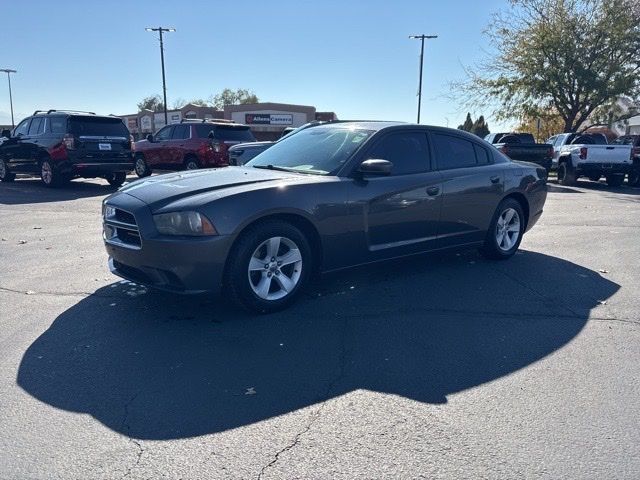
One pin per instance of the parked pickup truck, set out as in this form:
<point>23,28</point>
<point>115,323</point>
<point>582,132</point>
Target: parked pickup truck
<point>522,146</point>
<point>588,155</point>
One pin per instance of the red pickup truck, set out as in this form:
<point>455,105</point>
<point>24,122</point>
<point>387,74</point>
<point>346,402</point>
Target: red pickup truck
<point>189,145</point>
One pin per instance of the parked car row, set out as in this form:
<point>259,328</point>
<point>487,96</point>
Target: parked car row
<point>60,145</point>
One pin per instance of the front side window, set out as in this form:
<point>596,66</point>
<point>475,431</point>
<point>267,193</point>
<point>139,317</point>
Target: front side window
<point>453,152</point>
<point>22,128</point>
<point>317,150</point>
<point>408,151</point>
<point>164,134</point>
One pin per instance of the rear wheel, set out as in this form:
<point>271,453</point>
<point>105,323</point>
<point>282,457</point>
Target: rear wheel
<point>634,179</point>
<point>141,167</point>
<point>5,174</point>
<point>116,179</point>
<point>615,180</point>
<point>50,175</point>
<point>505,232</point>
<point>191,163</point>
<point>268,267</point>
<point>566,174</point>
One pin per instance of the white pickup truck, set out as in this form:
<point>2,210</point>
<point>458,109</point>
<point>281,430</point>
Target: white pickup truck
<point>588,155</point>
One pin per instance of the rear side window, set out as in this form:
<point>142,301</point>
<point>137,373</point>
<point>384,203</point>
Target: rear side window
<point>482,156</point>
<point>37,126</point>
<point>409,152</point>
<point>58,124</point>
<point>180,132</point>
<point>453,152</point>
<point>98,126</point>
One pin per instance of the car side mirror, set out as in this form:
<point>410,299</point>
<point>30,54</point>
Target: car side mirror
<point>6,133</point>
<point>150,138</point>
<point>375,166</point>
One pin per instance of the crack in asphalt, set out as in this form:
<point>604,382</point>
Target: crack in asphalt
<point>323,398</point>
<point>137,443</point>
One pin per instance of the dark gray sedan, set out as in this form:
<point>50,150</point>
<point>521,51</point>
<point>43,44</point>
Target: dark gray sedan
<point>330,197</point>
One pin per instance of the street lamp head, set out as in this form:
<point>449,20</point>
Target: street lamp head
<point>8,70</point>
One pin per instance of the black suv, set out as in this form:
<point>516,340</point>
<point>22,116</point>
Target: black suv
<point>60,145</point>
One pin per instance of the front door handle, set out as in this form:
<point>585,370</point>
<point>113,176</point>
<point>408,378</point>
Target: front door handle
<point>433,191</point>
<point>495,179</point>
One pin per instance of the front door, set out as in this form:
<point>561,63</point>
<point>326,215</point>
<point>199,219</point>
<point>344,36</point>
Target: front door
<point>402,210</point>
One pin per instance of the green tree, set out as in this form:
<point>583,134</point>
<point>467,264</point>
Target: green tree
<point>467,125</point>
<point>480,127</point>
<point>228,96</point>
<point>152,102</point>
<point>569,56</point>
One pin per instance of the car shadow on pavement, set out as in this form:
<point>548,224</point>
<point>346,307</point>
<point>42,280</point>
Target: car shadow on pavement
<point>158,366</point>
<point>31,191</point>
<point>595,186</point>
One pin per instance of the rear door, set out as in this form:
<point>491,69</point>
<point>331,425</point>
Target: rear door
<point>472,187</point>
<point>177,144</point>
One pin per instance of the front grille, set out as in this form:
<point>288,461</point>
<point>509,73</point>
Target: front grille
<point>120,228</point>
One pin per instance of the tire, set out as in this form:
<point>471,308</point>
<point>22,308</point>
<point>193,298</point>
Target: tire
<point>503,239</point>
<point>634,179</point>
<point>5,174</point>
<point>117,179</point>
<point>566,174</point>
<point>191,163</point>
<point>255,281</point>
<point>140,166</point>
<point>50,175</point>
<point>615,179</point>
<point>595,178</point>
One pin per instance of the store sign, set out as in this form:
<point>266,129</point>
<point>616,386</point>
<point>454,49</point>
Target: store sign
<point>145,123</point>
<point>268,119</point>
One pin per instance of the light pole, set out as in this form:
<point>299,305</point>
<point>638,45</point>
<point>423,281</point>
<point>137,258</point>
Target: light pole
<point>8,71</point>
<point>164,83</point>
<point>421,37</point>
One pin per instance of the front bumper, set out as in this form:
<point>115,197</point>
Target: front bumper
<point>177,264</point>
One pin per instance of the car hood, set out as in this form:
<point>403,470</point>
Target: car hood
<point>160,190</point>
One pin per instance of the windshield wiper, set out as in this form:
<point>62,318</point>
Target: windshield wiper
<point>275,167</point>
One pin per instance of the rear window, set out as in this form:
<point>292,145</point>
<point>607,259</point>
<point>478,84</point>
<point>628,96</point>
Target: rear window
<point>226,133</point>
<point>98,126</point>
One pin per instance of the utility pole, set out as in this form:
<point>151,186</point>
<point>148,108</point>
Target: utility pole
<point>164,83</point>
<point>8,71</point>
<point>421,38</point>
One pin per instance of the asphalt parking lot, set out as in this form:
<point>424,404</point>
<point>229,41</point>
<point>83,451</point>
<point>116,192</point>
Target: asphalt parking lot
<point>439,366</point>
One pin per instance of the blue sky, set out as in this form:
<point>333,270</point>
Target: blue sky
<point>351,57</point>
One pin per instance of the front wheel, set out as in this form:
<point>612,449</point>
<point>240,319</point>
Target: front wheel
<point>505,231</point>
<point>268,267</point>
<point>5,174</point>
<point>191,163</point>
<point>117,179</point>
<point>615,180</point>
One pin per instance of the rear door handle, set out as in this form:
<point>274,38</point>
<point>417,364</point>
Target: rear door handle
<point>495,179</point>
<point>433,191</point>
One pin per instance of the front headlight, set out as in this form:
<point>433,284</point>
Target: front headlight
<point>183,223</point>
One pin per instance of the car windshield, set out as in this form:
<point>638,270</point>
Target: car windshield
<point>317,150</point>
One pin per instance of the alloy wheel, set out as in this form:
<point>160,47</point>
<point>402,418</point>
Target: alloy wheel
<point>192,165</point>
<point>46,172</point>
<point>508,229</point>
<point>275,268</point>
<point>140,167</point>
